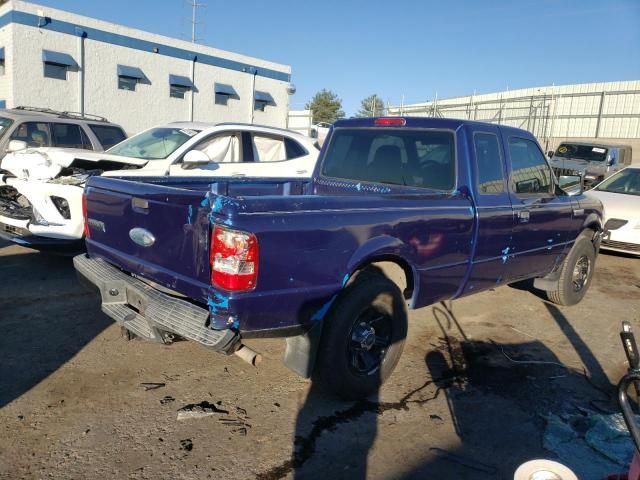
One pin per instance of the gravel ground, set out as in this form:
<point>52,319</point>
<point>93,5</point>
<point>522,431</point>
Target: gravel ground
<point>460,404</point>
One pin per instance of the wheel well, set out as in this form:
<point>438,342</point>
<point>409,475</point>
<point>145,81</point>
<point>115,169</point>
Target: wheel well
<point>398,271</point>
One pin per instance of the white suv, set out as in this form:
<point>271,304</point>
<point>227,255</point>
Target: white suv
<point>41,189</point>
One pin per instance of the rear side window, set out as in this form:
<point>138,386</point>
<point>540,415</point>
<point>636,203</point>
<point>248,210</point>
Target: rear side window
<point>108,136</point>
<point>489,161</point>
<point>68,135</point>
<point>35,134</point>
<point>417,158</point>
<point>294,149</point>
<point>267,148</point>
<point>530,173</point>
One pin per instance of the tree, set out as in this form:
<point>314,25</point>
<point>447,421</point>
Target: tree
<point>325,106</point>
<point>372,106</point>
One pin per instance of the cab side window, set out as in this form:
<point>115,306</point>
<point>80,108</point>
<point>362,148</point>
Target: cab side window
<point>530,173</point>
<point>35,134</point>
<point>489,162</point>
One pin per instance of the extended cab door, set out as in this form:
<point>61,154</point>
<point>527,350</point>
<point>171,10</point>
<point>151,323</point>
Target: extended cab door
<point>543,222</point>
<point>494,209</point>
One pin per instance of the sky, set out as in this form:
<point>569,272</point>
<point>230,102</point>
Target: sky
<point>411,49</point>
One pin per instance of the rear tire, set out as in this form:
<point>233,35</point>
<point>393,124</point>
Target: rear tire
<point>576,273</point>
<point>363,337</point>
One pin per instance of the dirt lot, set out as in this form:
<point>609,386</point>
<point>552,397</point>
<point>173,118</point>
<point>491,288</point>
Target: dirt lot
<point>459,405</point>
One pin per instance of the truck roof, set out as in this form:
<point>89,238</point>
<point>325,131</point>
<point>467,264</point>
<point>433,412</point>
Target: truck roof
<point>422,122</point>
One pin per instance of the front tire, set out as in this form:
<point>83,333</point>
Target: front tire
<point>363,337</point>
<point>576,273</point>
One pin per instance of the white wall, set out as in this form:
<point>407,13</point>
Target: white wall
<point>6,41</point>
<point>149,104</point>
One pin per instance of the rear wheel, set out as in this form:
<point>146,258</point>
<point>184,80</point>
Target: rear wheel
<point>363,337</point>
<point>576,273</point>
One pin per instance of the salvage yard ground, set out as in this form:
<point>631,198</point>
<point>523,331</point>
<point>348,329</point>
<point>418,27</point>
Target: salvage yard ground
<point>469,398</point>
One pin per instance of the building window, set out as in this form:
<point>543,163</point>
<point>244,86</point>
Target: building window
<point>223,93</point>
<point>1,60</point>
<point>127,83</point>
<point>178,86</point>
<point>177,91</point>
<point>129,77</point>
<point>54,70</point>
<point>262,100</point>
<point>56,64</point>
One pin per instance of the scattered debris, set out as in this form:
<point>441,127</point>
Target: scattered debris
<point>276,404</point>
<point>85,432</point>
<point>436,419</point>
<point>465,462</point>
<point>167,399</point>
<point>528,362</point>
<point>152,385</point>
<point>200,410</point>
<point>186,444</point>
<point>20,417</point>
<point>520,331</point>
<point>591,444</point>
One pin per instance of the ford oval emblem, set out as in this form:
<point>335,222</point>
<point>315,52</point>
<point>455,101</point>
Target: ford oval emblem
<point>142,237</point>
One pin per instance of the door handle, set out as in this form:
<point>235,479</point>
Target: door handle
<point>524,216</point>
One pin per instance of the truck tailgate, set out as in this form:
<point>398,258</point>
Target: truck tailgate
<point>161,233</point>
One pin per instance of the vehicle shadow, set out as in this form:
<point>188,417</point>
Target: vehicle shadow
<point>499,396</point>
<point>46,318</point>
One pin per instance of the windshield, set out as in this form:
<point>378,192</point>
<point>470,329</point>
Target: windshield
<point>5,123</point>
<point>583,152</point>
<point>627,181</point>
<point>154,144</point>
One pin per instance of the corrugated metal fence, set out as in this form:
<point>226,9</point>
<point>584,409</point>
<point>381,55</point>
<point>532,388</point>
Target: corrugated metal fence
<point>592,110</point>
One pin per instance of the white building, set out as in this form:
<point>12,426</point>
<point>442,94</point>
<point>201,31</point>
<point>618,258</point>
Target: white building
<point>58,60</point>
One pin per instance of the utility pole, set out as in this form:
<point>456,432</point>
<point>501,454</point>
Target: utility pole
<point>194,12</point>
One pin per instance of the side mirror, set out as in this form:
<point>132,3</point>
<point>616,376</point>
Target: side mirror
<point>571,184</point>
<point>16,145</point>
<point>550,153</point>
<point>194,157</point>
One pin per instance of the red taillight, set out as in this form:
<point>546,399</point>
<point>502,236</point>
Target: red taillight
<point>390,122</point>
<point>85,232</point>
<point>234,259</point>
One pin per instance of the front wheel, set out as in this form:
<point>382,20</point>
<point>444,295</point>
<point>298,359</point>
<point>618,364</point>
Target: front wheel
<point>363,337</point>
<point>575,274</point>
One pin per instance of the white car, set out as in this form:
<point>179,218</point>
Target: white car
<point>620,196</point>
<point>41,189</point>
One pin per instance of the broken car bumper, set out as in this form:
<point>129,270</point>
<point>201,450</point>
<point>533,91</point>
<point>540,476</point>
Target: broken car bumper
<point>147,312</point>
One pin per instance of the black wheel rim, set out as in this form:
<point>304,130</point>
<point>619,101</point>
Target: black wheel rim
<point>369,340</point>
<point>581,272</point>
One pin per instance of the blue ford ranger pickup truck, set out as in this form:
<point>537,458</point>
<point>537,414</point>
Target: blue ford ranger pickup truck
<point>400,213</point>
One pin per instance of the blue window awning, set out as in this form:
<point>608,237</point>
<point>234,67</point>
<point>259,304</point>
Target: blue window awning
<point>222,89</point>
<point>130,72</point>
<point>58,58</point>
<point>1,53</point>
<point>180,81</point>
<point>264,97</point>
